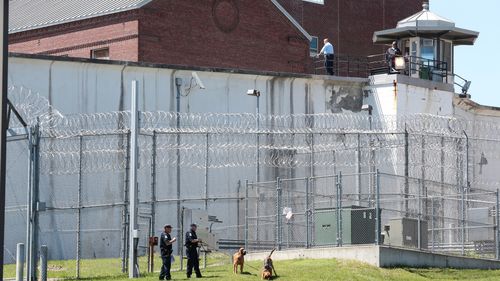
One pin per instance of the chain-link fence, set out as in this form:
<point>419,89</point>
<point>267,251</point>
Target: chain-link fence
<point>435,191</point>
<point>399,212</point>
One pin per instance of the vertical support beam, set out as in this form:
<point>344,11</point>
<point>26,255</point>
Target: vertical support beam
<point>125,214</point>
<point>378,219</point>
<point>432,224</point>
<point>337,209</point>
<point>279,227</point>
<point>419,213</point>
<point>341,231</point>
<point>308,215</point>
<point>32,215</point>
<point>257,166</point>
<point>246,214</point>
<point>207,154</point>
<point>133,270</point>
<point>19,262</point>
<point>442,180</point>
<point>79,208</point>
<point>358,169</point>
<point>497,219</point>
<point>406,190</point>
<point>43,262</point>
<point>178,84</point>
<point>4,56</point>
<point>423,174</point>
<point>153,199</point>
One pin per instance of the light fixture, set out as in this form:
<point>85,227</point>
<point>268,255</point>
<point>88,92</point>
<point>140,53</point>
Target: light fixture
<point>367,107</point>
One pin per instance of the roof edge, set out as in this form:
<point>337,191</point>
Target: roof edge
<point>76,19</point>
<point>292,20</point>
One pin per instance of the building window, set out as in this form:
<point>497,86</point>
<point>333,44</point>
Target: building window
<point>100,54</point>
<point>322,2</point>
<point>313,47</point>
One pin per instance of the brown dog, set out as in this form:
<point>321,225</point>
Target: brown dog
<point>268,269</point>
<point>239,259</point>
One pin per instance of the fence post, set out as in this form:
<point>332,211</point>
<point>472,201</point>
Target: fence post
<point>497,230</point>
<point>278,216</point>
<point>341,231</point>
<point>337,209</point>
<point>246,214</point>
<point>43,262</point>
<point>432,224</point>
<point>307,214</point>
<point>377,208</point>
<point>79,210</point>
<point>19,262</point>
<point>419,214</point>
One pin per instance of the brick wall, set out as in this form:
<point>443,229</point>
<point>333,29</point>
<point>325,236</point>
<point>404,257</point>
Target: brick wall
<point>117,32</point>
<point>350,24</point>
<point>250,35</point>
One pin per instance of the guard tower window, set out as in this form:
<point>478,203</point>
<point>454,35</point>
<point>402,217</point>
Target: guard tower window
<point>322,2</point>
<point>313,46</point>
<point>100,54</point>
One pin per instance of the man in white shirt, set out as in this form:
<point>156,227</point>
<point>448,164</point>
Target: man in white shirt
<point>328,52</point>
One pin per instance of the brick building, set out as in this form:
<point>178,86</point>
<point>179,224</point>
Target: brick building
<point>349,24</point>
<point>265,35</point>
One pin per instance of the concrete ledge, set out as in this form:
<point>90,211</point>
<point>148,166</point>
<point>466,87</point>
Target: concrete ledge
<point>382,256</point>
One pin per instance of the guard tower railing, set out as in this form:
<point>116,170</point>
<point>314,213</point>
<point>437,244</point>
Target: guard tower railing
<point>419,67</point>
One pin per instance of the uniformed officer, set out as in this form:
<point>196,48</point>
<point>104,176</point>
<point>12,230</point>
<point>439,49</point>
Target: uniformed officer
<point>391,54</point>
<point>166,251</point>
<point>329,53</point>
<point>192,252</point>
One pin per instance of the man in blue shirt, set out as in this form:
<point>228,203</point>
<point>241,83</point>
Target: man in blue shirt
<point>328,52</point>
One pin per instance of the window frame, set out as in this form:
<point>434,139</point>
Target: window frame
<point>94,51</point>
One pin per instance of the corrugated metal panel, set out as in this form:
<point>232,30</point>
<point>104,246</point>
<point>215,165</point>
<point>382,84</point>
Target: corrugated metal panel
<point>32,14</point>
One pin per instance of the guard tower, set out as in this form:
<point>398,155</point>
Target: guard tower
<point>427,41</point>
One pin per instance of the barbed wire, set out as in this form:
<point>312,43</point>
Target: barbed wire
<point>434,143</point>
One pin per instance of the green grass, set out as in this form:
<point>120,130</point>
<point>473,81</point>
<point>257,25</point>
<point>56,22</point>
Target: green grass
<point>297,270</point>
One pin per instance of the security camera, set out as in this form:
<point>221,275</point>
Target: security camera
<point>198,80</point>
<point>253,92</point>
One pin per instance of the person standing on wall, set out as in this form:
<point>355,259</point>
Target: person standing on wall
<point>166,252</point>
<point>328,52</point>
<point>193,261</point>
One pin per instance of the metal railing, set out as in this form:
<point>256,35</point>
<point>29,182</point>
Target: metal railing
<point>420,67</point>
<point>343,65</point>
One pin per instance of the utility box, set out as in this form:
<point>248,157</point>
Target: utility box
<point>202,220</point>
<point>404,233</point>
<point>481,225</point>
<point>358,226</point>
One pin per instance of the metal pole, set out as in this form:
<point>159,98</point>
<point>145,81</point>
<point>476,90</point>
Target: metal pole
<point>246,214</point>
<point>79,210</point>
<point>19,261</point>
<point>419,214</point>
<point>43,262</point>
<point>337,209</point>
<point>4,56</point>
<point>32,216</point>
<point>125,214</point>
<point>497,230</point>
<point>432,223</point>
<point>133,270</point>
<point>307,214</point>
<point>341,231</point>
<point>358,169</point>
<point>178,84</point>
<point>377,209</point>
<point>257,169</point>
<point>406,190</point>
<point>279,231</point>
<point>206,189</point>
<point>153,199</point>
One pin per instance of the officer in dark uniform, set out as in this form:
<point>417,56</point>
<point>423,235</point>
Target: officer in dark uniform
<point>391,54</point>
<point>166,251</point>
<point>192,252</point>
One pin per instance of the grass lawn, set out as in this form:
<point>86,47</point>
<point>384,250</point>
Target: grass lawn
<point>297,270</point>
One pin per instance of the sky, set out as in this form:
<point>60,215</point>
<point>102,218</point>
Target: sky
<point>479,63</point>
